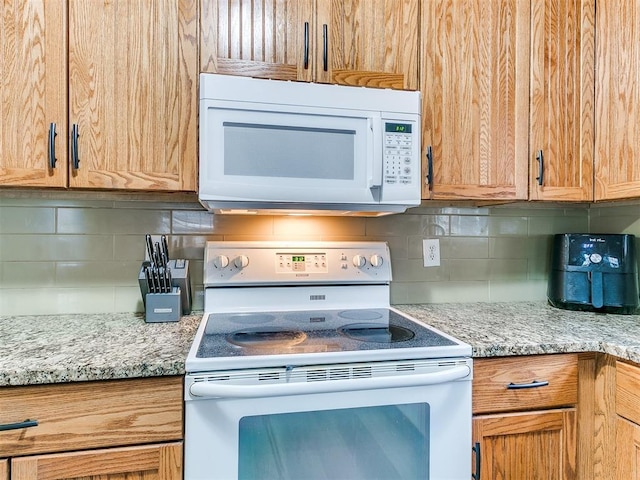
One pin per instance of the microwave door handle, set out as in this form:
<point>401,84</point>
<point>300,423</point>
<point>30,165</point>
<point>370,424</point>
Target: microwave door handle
<point>376,161</point>
<point>220,390</point>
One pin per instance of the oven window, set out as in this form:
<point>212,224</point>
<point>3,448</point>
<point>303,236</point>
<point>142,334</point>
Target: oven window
<point>366,443</point>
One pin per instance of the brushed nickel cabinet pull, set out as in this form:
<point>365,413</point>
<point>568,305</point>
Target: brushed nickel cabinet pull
<point>52,145</point>
<point>534,384</point>
<point>540,159</point>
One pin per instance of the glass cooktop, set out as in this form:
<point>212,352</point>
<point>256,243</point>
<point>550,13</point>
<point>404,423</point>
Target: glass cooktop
<point>299,332</point>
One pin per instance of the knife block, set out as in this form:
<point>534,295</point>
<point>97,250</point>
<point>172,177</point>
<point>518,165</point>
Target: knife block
<point>179,278</point>
<point>163,307</point>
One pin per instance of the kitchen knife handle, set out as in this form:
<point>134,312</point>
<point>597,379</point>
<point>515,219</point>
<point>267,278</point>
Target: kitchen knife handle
<point>476,450</point>
<point>540,159</point>
<point>16,426</point>
<point>534,384</point>
<point>325,47</point>
<point>429,168</point>
<point>75,161</point>
<point>149,242</point>
<point>52,145</point>
<point>165,247</point>
<point>306,45</point>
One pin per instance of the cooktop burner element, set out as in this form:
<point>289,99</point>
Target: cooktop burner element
<point>378,333</point>
<point>266,338</point>
<point>252,318</point>
<point>362,315</point>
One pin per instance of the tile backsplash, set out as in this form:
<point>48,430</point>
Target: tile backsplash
<point>81,253</point>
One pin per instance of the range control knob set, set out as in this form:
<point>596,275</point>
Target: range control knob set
<point>360,261</point>
<point>222,261</point>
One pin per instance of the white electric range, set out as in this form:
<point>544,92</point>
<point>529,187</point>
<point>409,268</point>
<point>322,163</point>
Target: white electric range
<point>302,369</point>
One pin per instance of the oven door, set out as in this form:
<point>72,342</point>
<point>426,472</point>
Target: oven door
<point>401,420</point>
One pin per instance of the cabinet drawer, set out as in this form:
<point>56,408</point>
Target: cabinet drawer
<point>493,378</point>
<point>77,416</point>
<point>628,391</point>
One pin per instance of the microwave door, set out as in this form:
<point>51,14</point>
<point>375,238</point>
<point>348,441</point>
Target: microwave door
<point>250,155</point>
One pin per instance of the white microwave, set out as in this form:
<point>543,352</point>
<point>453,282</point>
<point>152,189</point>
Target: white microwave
<point>276,147</point>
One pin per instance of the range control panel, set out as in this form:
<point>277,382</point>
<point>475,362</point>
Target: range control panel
<point>263,263</point>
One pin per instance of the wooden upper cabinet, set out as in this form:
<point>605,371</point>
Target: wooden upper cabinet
<point>562,100</point>
<point>371,43</point>
<point>34,92</point>
<point>617,144</point>
<point>257,38</point>
<point>133,93</point>
<point>475,83</point>
<point>350,42</point>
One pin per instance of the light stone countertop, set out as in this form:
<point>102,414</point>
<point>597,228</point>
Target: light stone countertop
<point>70,348</point>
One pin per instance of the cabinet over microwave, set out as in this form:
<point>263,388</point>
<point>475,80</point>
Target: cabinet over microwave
<point>277,147</point>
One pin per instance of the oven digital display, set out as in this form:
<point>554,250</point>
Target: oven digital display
<point>301,262</point>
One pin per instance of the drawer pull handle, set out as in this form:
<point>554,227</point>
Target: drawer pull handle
<point>15,426</point>
<point>534,384</point>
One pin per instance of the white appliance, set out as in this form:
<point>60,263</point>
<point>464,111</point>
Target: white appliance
<point>274,147</point>
<point>300,370</point>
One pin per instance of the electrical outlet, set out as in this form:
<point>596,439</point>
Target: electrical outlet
<point>431,252</point>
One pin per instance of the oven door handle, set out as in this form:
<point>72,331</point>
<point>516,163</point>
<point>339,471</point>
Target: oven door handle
<point>222,390</point>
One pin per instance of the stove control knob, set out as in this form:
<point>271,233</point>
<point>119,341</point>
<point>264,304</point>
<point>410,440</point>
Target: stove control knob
<point>359,261</point>
<point>241,261</point>
<point>220,261</point>
<point>376,260</point>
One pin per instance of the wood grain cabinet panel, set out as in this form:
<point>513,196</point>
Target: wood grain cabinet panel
<point>475,84</point>
<point>537,445</point>
<point>371,43</point>
<point>33,91</point>
<point>4,469</point>
<point>153,462</point>
<point>133,93</point>
<point>86,415</point>
<point>627,450</point>
<point>492,377</point>
<point>617,140</point>
<point>628,391</point>
<point>562,100</point>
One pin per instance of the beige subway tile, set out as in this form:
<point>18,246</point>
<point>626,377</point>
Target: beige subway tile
<point>517,291</point>
<point>617,224</point>
<point>464,247</point>
<point>509,247</point>
<point>128,299</point>
<point>403,225</point>
<point>95,274</point>
<point>513,226</point>
<point>55,247</point>
<point>31,220</point>
<point>439,292</point>
<point>560,224</point>
<point>27,274</point>
<point>112,221</point>
<point>241,225</point>
<point>191,222</point>
<point>412,270</point>
<point>469,226</point>
<point>320,226</point>
<point>508,269</point>
<point>51,301</point>
<point>469,269</point>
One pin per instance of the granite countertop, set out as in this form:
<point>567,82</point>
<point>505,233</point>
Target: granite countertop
<point>69,348</point>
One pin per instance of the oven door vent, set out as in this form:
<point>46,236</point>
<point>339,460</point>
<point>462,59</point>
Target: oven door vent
<point>338,373</point>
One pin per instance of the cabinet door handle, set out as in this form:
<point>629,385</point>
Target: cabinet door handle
<point>325,47</point>
<point>429,168</point>
<point>476,450</point>
<point>52,145</point>
<point>75,161</point>
<point>540,159</point>
<point>306,45</point>
<point>16,426</point>
<point>534,384</point>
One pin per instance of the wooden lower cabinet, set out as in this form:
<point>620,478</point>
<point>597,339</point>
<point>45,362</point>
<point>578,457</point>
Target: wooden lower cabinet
<point>4,470</point>
<point>627,450</point>
<point>539,445</point>
<point>153,462</point>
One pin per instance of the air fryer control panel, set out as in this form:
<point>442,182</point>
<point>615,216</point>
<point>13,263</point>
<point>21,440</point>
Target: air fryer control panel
<point>592,250</point>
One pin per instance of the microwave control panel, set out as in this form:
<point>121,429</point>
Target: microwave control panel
<point>398,153</point>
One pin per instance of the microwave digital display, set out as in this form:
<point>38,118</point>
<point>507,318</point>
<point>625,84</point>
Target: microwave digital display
<point>397,127</point>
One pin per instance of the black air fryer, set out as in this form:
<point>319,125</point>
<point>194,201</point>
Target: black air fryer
<point>594,272</point>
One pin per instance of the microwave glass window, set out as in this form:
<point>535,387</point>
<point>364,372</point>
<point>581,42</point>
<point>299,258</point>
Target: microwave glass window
<point>366,443</point>
<point>314,153</point>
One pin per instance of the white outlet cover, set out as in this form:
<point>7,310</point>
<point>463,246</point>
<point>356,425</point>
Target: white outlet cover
<point>431,252</point>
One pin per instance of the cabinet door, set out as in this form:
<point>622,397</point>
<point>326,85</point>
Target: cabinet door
<point>475,84</point>
<point>34,92</point>
<point>368,43</point>
<point>154,462</point>
<point>562,100</point>
<point>258,38</point>
<point>627,450</point>
<point>4,469</point>
<point>539,445</point>
<point>133,93</point>
<point>617,150</point>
